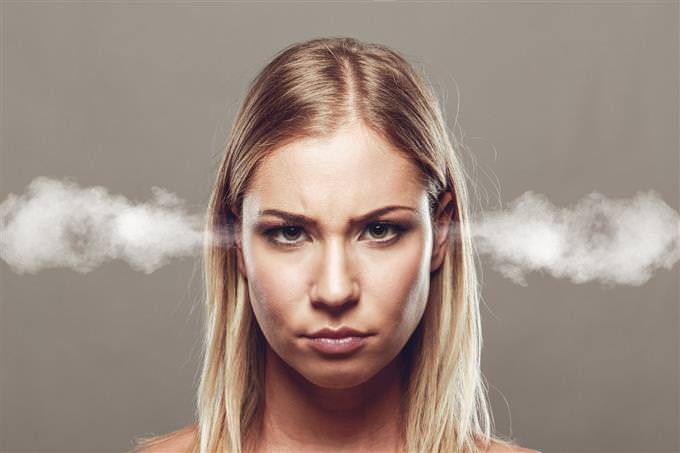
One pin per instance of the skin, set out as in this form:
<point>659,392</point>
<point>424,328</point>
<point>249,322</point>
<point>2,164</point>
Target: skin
<point>337,274</point>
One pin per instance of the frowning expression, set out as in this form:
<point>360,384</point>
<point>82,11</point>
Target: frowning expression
<point>337,232</point>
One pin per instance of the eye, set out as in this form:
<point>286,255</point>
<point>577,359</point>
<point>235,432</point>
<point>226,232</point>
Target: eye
<point>379,230</point>
<point>289,233</point>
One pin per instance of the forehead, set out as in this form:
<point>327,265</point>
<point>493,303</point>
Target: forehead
<point>352,171</point>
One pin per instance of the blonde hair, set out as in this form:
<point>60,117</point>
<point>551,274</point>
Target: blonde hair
<point>312,89</point>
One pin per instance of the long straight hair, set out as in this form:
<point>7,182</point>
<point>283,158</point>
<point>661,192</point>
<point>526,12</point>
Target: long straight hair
<point>310,90</point>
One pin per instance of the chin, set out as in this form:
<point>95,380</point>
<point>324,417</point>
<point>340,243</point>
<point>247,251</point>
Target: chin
<point>337,379</point>
<point>336,382</point>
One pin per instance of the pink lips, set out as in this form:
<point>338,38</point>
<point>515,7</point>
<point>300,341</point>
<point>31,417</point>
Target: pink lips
<point>342,345</point>
<point>338,341</point>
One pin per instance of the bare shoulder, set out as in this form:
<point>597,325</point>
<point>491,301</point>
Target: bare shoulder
<point>497,447</point>
<point>180,441</point>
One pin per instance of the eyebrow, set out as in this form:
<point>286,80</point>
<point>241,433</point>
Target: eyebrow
<point>299,218</point>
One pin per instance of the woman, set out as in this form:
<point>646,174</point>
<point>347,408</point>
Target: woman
<point>344,314</point>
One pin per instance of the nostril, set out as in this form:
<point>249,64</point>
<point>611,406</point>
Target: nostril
<point>335,291</point>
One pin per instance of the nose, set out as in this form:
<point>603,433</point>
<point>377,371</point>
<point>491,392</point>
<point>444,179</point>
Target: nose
<point>335,286</point>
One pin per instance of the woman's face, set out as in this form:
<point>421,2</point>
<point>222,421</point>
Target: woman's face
<point>341,266</point>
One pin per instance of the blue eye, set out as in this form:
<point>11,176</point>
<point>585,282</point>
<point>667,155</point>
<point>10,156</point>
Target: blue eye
<point>290,233</point>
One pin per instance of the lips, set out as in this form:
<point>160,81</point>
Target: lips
<point>339,347</point>
<point>342,332</point>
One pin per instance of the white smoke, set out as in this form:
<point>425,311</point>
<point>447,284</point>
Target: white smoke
<point>59,224</point>
<point>613,241</point>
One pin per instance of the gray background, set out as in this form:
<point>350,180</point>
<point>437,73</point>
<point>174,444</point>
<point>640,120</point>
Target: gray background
<point>558,98</point>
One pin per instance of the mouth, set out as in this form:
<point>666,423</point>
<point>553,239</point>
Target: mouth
<point>334,346</point>
<point>342,332</point>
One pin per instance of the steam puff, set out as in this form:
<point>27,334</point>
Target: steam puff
<point>59,224</point>
<point>613,241</point>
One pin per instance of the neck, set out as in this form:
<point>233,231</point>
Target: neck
<point>300,416</point>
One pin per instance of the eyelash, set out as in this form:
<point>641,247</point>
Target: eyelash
<point>270,233</point>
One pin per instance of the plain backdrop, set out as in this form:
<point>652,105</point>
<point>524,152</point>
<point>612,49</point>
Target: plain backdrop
<point>555,97</point>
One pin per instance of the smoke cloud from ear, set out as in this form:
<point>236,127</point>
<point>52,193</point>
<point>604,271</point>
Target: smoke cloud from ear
<point>613,241</point>
<point>616,242</point>
<point>59,224</point>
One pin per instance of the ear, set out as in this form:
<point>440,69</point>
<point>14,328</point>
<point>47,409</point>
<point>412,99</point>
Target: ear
<point>238,243</point>
<point>442,223</point>
<point>241,263</point>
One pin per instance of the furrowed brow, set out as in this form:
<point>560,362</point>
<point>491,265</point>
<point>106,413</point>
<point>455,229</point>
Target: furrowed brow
<point>301,219</point>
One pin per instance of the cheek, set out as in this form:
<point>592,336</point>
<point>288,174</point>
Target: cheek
<point>275,288</point>
<point>398,286</point>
